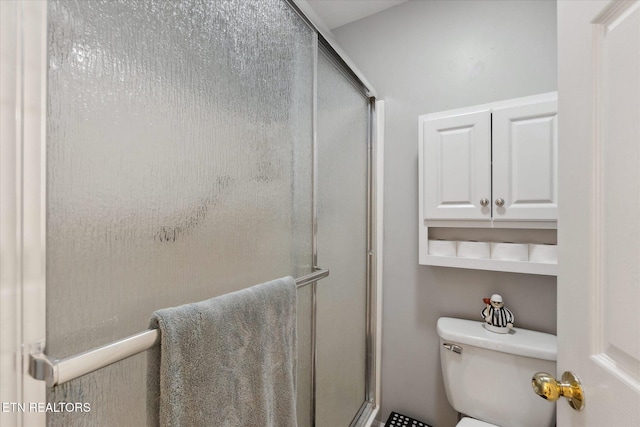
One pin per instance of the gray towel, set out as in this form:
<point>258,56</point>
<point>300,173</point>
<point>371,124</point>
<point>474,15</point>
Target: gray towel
<point>229,361</point>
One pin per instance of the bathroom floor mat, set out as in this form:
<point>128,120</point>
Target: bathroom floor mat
<point>399,420</point>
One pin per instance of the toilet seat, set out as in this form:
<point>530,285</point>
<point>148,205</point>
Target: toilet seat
<point>472,422</point>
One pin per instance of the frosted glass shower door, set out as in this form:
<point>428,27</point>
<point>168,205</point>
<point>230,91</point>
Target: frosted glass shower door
<point>179,167</point>
<point>343,120</point>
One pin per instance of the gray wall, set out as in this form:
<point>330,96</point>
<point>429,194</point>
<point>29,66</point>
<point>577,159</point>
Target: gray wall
<point>428,56</point>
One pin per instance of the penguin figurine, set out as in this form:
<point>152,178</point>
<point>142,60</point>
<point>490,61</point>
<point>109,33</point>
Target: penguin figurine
<point>497,317</point>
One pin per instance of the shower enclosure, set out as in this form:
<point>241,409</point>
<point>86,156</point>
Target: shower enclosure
<point>194,148</point>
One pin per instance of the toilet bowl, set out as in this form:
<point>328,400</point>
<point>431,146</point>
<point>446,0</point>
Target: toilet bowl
<point>472,422</point>
<point>487,376</point>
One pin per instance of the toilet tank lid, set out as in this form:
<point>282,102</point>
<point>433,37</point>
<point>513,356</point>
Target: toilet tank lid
<point>521,342</point>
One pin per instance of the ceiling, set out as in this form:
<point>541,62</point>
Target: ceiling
<point>335,13</point>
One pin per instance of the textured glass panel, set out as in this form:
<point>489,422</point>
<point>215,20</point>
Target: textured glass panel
<point>342,238</point>
<point>178,168</point>
<point>303,390</point>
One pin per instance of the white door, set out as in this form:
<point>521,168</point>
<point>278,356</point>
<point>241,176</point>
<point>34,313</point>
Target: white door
<point>525,145</point>
<point>599,217</point>
<point>456,153</point>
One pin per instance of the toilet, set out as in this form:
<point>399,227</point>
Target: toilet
<point>487,376</point>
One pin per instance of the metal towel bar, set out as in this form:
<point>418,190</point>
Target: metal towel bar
<point>58,371</point>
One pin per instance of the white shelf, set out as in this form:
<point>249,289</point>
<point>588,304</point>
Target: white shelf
<point>493,265</point>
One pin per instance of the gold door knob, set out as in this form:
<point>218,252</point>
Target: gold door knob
<point>551,389</point>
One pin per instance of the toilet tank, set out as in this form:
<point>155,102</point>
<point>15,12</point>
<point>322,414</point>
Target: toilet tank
<point>488,375</point>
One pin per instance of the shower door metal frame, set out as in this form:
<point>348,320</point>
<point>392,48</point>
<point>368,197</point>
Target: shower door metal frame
<point>370,405</point>
<point>23,198</point>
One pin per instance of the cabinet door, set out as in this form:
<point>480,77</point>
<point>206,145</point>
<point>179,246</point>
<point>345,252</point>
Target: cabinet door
<point>457,166</point>
<point>525,177</point>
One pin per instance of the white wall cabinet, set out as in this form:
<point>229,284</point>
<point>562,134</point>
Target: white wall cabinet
<point>490,166</point>
<point>494,162</point>
<point>525,172</point>
<point>457,165</point>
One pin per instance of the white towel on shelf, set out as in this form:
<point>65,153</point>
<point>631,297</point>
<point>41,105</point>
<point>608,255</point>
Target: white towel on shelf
<point>228,361</point>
